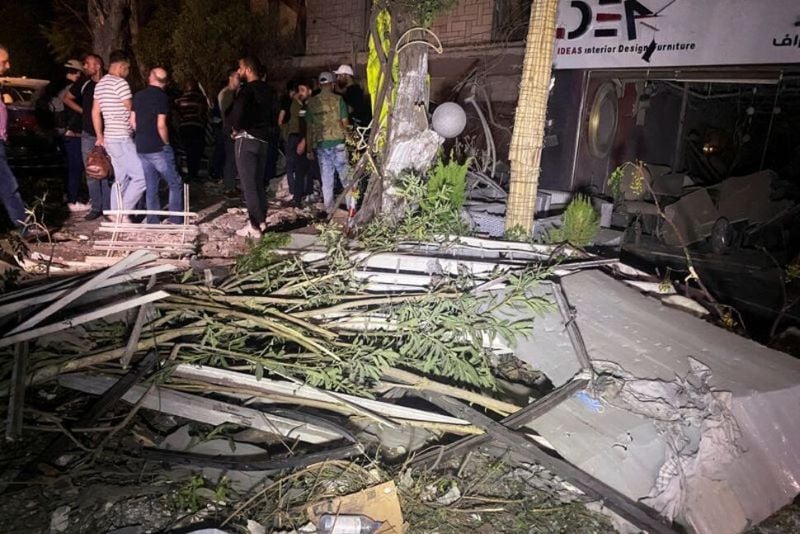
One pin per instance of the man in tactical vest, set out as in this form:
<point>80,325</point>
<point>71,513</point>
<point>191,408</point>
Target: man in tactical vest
<point>326,116</point>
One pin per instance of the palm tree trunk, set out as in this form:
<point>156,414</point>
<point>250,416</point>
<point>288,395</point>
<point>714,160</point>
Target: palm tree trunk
<point>526,143</point>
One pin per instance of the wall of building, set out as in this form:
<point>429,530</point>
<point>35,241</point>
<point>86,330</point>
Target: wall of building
<point>468,22</point>
<point>336,27</point>
<point>340,26</point>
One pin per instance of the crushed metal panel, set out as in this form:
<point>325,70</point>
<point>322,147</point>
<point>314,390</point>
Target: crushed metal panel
<point>548,348</point>
<point>657,343</point>
<point>746,198</point>
<point>693,215</point>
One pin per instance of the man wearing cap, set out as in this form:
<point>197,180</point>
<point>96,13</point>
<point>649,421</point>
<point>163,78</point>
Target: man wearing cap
<point>358,106</point>
<point>80,98</point>
<point>72,136</point>
<point>9,189</point>
<point>326,116</point>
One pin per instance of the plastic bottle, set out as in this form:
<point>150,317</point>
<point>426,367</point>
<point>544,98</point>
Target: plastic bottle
<point>347,524</point>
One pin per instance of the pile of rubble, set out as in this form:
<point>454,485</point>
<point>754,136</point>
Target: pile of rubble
<point>309,382</point>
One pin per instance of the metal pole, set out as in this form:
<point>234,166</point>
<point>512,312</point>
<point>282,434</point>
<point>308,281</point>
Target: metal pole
<point>677,156</point>
<point>771,122</point>
<point>584,90</point>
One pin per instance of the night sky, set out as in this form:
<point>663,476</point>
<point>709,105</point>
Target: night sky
<point>21,30</point>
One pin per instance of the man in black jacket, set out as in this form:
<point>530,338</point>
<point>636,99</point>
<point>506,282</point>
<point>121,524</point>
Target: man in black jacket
<point>254,121</point>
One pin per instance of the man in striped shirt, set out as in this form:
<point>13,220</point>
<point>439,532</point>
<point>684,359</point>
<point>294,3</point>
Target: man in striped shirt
<point>111,114</point>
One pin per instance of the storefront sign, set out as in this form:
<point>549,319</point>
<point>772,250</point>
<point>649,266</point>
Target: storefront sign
<point>602,34</point>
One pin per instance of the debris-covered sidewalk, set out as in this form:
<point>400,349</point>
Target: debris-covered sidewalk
<point>465,373</point>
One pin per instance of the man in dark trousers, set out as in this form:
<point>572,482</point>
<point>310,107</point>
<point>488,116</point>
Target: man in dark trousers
<point>192,109</point>
<point>149,117</point>
<point>80,98</point>
<point>226,98</point>
<point>9,189</point>
<point>254,121</point>
<point>296,161</point>
<point>72,138</point>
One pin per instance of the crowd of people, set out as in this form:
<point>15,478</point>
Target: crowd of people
<point>250,121</point>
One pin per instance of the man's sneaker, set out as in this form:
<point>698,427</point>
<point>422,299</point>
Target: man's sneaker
<point>78,206</point>
<point>92,215</point>
<point>249,231</point>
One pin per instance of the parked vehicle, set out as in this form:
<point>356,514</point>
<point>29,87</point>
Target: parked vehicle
<point>32,140</point>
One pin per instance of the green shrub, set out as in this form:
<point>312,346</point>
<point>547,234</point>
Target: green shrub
<point>580,226</point>
<point>450,178</point>
<point>262,252</point>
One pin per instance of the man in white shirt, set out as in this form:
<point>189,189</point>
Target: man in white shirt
<point>111,114</point>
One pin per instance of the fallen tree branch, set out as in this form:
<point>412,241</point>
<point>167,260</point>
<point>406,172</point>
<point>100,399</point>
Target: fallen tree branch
<point>414,382</point>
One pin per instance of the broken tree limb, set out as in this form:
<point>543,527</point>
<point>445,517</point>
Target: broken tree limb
<point>250,384</point>
<point>136,331</point>
<point>17,398</point>
<point>255,399</point>
<point>30,302</point>
<point>523,450</point>
<point>514,421</point>
<point>81,319</point>
<point>251,462</point>
<point>336,398</point>
<point>135,259</point>
<point>202,409</point>
<point>51,371</point>
<point>411,381</point>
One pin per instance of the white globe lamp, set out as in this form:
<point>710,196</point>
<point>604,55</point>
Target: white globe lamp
<point>449,120</point>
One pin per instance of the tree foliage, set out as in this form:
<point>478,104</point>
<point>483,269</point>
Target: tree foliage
<point>202,39</point>
<point>28,48</point>
<point>422,12</point>
<point>68,34</point>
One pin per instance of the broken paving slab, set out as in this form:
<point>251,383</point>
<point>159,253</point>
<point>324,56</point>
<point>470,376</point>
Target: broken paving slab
<point>741,430</point>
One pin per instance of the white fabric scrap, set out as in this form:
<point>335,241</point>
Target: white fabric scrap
<point>695,421</point>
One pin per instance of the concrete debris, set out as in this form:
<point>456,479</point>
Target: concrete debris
<point>254,527</point>
<point>59,521</point>
<point>740,468</point>
<point>694,420</point>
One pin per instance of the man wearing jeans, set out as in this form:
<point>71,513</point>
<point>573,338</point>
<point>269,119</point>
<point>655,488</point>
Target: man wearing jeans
<point>111,113</point>
<point>254,120</point>
<point>80,98</point>
<point>327,119</point>
<point>149,117</point>
<point>9,190</point>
